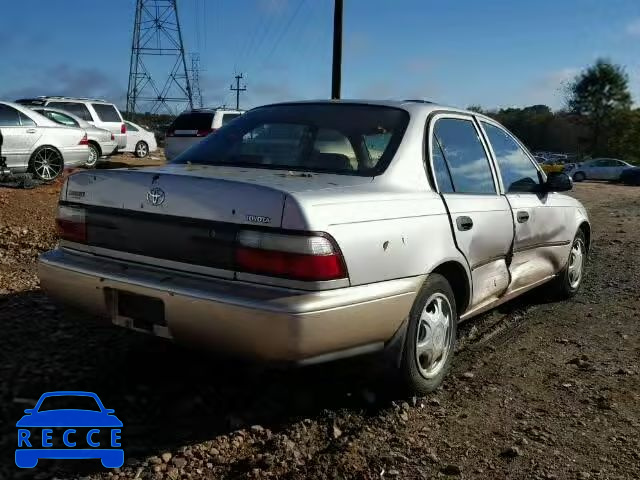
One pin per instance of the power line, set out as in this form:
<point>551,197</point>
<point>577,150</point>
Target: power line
<point>284,32</point>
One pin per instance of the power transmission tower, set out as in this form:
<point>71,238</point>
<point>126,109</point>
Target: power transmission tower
<point>195,80</point>
<point>237,89</point>
<point>158,77</point>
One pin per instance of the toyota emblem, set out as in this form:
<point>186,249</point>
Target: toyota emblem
<point>155,196</point>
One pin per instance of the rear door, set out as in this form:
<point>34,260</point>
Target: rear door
<point>20,133</point>
<point>541,236</point>
<point>481,218</point>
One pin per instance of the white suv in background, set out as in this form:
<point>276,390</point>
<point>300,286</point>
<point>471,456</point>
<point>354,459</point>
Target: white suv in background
<point>99,113</point>
<point>193,125</point>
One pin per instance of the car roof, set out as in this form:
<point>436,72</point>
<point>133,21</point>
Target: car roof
<point>411,105</point>
<point>211,110</point>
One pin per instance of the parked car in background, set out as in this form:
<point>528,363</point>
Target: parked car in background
<point>140,141</point>
<point>192,126</point>
<point>101,142</point>
<point>551,166</point>
<point>33,143</point>
<point>285,251</point>
<point>99,113</point>
<point>598,169</point>
<point>630,176</point>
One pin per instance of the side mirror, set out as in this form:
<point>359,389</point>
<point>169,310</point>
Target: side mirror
<point>558,182</point>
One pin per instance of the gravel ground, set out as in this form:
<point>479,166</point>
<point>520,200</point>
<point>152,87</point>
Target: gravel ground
<point>538,390</point>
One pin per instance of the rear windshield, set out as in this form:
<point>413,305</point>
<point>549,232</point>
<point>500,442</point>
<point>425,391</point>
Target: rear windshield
<point>227,117</point>
<point>193,121</point>
<point>348,139</point>
<point>106,113</point>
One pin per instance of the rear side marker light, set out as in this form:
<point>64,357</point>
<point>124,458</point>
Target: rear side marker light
<point>84,140</point>
<point>71,224</point>
<point>123,128</point>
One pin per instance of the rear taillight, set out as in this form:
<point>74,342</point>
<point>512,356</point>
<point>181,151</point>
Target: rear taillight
<point>113,137</point>
<point>84,141</point>
<point>204,133</point>
<point>296,257</point>
<point>71,223</point>
<point>123,128</point>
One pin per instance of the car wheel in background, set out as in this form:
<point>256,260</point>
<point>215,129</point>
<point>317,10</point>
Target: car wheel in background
<point>431,336</point>
<point>94,155</point>
<point>142,149</point>
<point>579,177</point>
<point>46,163</point>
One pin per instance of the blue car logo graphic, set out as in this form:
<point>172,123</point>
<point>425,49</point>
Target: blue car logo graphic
<point>80,433</point>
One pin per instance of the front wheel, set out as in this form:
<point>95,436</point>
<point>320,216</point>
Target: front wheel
<point>142,149</point>
<point>568,281</point>
<point>46,163</point>
<point>431,336</point>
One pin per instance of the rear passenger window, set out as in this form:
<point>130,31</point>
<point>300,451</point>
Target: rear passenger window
<point>194,121</point>
<point>516,169</point>
<point>9,117</point>
<point>440,169</point>
<point>26,121</point>
<point>106,113</point>
<point>464,155</point>
<point>77,109</point>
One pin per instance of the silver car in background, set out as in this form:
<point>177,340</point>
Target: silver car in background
<point>598,169</point>
<point>311,231</point>
<point>33,143</point>
<point>102,143</point>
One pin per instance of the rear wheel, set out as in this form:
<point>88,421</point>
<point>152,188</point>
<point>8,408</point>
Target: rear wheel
<point>46,163</point>
<point>431,336</point>
<point>142,149</point>
<point>94,155</point>
<point>579,177</point>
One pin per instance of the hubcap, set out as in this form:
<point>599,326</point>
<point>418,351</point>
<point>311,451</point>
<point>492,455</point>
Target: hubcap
<point>576,263</point>
<point>142,150</point>
<point>434,335</point>
<point>93,156</point>
<point>47,164</point>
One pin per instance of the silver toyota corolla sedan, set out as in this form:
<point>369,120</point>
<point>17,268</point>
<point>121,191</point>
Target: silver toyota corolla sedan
<point>101,142</point>
<point>33,143</point>
<point>312,231</point>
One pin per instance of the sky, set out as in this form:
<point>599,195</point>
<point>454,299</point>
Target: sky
<point>492,53</point>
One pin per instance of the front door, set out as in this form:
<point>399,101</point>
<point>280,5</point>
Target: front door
<point>541,244</point>
<point>480,217</point>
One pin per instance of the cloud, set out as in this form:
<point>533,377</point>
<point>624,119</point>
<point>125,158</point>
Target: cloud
<point>633,28</point>
<point>549,88</point>
<point>418,65</point>
<point>63,79</point>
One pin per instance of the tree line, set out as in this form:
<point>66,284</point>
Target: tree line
<point>598,119</point>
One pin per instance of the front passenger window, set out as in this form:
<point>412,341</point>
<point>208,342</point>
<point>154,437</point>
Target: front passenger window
<point>517,170</point>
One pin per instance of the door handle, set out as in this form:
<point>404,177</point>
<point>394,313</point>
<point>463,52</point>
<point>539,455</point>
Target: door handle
<point>522,216</point>
<point>464,223</point>
<point>31,130</point>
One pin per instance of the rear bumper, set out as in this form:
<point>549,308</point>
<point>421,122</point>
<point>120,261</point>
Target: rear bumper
<point>108,148</point>
<point>121,140</point>
<point>75,156</point>
<point>240,317</point>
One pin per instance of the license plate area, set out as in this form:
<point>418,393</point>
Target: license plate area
<point>139,312</point>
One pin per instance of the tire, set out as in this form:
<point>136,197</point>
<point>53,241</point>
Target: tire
<point>46,163</point>
<point>566,284</point>
<point>142,149</point>
<point>579,177</point>
<point>94,155</point>
<point>426,358</point>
